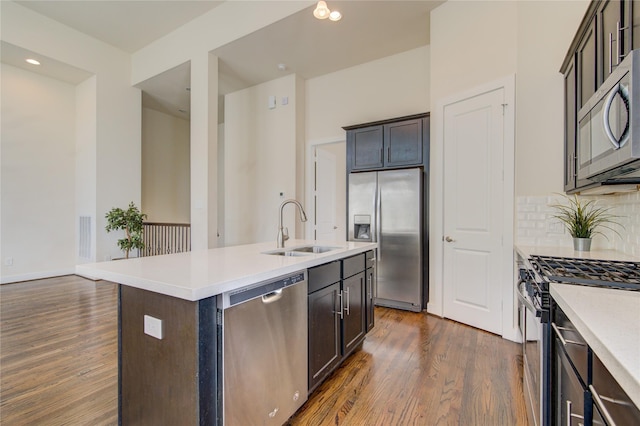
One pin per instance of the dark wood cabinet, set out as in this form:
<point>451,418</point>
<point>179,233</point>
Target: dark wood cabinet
<point>366,146</point>
<point>610,35</point>
<point>337,314</point>
<point>609,30</point>
<point>324,333</point>
<point>580,381</point>
<point>353,324</point>
<point>387,144</point>
<point>570,120</point>
<point>587,66</point>
<point>370,285</point>
<point>633,8</point>
<point>403,142</point>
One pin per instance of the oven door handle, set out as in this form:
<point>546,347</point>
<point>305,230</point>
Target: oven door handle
<point>522,298</point>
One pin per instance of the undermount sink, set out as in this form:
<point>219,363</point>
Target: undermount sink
<point>301,251</point>
<point>285,253</point>
<point>314,249</point>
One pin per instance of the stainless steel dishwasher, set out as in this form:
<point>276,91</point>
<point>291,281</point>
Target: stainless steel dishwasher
<point>264,362</point>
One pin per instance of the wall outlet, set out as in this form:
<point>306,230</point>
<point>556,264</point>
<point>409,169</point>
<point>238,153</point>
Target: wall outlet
<point>153,327</point>
<point>8,261</point>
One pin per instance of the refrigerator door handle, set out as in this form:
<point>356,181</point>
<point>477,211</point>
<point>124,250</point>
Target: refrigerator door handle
<point>378,219</point>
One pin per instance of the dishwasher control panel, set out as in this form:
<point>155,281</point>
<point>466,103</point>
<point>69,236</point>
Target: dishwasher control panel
<point>244,294</point>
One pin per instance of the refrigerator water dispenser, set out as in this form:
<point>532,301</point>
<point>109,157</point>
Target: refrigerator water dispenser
<point>362,227</point>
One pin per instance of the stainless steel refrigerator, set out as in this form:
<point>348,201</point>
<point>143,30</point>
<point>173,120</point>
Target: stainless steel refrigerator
<point>386,207</point>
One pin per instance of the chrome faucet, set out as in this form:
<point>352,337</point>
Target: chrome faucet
<point>283,233</point>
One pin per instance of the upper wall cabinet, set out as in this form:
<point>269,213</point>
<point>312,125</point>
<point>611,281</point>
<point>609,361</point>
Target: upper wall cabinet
<point>609,30</point>
<point>388,144</point>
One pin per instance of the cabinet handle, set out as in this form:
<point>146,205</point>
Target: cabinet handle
<point>341,310</point>
<point>370,286</point>
<point>381,155</point>
<point>610,52</point>
<point>389,154</point>
<point>619,48</point>
<point>600,404</point>
<point>570,414</point>
<point>562,339</point>
<point>347,308</point>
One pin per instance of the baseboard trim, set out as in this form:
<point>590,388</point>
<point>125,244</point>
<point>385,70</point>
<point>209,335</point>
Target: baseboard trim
<point>10,279</point>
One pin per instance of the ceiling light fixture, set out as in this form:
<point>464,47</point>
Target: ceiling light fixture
<point>32,61</point>
<point>322,12</point>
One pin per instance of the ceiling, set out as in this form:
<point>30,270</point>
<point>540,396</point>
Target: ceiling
<point>309,47</point>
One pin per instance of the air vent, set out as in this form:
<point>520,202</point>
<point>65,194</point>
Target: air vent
<point>84,241</point>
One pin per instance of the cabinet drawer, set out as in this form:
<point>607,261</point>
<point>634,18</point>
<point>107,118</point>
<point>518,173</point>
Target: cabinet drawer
<point>610,397</point>
<point>370,257</point>
<point>572,342</point>
<point>323,275</point>
<point>353,265</point>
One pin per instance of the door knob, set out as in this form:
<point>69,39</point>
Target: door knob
<point>449,239</point>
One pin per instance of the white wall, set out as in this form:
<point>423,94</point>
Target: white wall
<point>111,153</point>
<point>165,167</point>
<point>390,87</point>
<point>540,89</point>
<point>38,173</point>
<point>477,42</point>
<point>260,161</point>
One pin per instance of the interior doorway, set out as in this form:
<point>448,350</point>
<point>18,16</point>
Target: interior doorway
<point>327,191</point>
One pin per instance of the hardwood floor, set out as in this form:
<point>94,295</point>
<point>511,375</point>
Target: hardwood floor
<point>58,366</point>
<point>417,369</point>
<point>58,352</point>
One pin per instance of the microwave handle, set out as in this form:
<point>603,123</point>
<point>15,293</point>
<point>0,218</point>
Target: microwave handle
<point>624,93</point>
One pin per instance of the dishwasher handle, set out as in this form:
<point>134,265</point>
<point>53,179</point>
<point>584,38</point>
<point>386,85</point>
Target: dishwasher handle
<point>274,296</point>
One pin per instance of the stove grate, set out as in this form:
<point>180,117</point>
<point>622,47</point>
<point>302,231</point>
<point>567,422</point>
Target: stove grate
<point>603,273</point>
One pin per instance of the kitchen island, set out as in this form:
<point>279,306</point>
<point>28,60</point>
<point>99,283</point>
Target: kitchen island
<point>170,322</point>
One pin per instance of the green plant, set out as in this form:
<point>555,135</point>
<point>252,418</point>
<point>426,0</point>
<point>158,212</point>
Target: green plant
<point>131,221</point>
<point>582,218</point>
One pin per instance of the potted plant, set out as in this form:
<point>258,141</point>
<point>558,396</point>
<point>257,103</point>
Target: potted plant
<point>131,221</point>
<point>583,220</point>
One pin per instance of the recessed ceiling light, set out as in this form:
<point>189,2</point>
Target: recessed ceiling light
<point>335,15</point>
<point>282,67</point>
<point>33,61</point>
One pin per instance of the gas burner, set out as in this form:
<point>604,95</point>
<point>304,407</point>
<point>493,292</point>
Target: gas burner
<point>601,273</point>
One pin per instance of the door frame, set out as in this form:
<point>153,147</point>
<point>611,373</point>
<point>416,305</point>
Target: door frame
<point>309,181</point>
<point>436,226</point>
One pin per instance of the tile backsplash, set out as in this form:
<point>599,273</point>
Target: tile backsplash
<point>535,224</point>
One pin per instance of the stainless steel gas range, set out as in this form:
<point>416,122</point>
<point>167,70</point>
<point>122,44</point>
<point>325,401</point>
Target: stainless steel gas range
<point>535,313</point>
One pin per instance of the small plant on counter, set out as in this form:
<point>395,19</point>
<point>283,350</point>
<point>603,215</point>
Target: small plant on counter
<point>131,221</point>
<point>583,218</point>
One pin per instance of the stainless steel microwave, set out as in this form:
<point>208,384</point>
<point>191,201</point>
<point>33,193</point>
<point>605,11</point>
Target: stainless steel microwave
<point>608,148</point>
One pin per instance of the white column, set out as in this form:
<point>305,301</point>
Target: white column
<point>204,151</point>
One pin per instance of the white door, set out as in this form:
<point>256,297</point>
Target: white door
<point>473,210</point>
<point>326,224</point>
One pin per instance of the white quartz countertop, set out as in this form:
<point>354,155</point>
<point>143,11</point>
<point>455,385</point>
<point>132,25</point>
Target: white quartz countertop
<point>609,320</point>
<point>200,274</point>
<point>527,251</point>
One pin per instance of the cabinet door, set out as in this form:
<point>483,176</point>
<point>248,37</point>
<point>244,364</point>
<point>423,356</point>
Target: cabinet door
<point>569,406</point>
<point>611,39</point>
<point>324,332</point>
<point>587,70</point>
<point>570,112</point>
<point>370,286</point>
<point>366,147</point>
<point>403,143</point>
<point>353,324</point>
<point>634,23</point>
